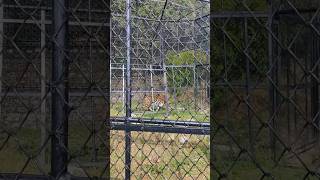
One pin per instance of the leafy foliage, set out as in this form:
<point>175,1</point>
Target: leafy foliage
<point>183,76</point>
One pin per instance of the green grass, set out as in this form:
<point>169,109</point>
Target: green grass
<point>154,154</point>
<point>187,113</point>
<point>14,155</point>
<point>157,155</point>
<point>243,167</point>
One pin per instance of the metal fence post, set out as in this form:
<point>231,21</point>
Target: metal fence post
<point>165,81</point>
<point>314,82</point>
<point>211,84</point>
<point>128,92</point>
<point>194,68</point>
<point>248,88</point>
<point>272,92</point>
<point>108,92</point>
<point>164,69</point>
<point>123,89</point>
<point>151,83</point>
<point>43,123</point>
<point>59,142</point>
<point>195,85</point>
<point>1,53</point>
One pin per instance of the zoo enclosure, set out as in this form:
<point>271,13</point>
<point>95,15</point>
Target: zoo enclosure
<point>259,65</point>
<point>151,48</point>
<point>54,119</point>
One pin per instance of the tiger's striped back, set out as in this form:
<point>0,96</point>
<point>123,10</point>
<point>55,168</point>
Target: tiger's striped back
<point>147,102</point>
<point>149,105</point>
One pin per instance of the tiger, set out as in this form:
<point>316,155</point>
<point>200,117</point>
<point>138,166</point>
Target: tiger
<point>149,105</point>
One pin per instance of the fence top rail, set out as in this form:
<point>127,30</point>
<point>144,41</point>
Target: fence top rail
<point>257,14</point>
<point>102,11</point>
<point>155,66</point>
<point>162,122</point>
<point>239,14</point>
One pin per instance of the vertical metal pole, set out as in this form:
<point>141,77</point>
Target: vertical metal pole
<point>94,131</point>
<point>207,85</point>
<point>174,89</point>
<point>1,54</point>
<point>226,93</point>
<point>195,85</point>
<point>108,93</point>
<point>271,86</point>
<point>173,74</point>
<point>195,80</point>
<point>123,89</point>
<point>289,115</point>
<point>59,142</point>
<point>295,97</point>
<point>307,92</point>
<point>151,83</point>
<point>110,77</point>
<point>128,92</point>
<point>43,124</point>
<point>314,84</point>
<point>270,59</point>
<point>165,80</point>
<point>150,71</point>
<point>212,121</point>
<point>251,141</point>
<point>92,104</point>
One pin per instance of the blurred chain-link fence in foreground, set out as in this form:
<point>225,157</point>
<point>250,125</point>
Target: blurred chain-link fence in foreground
<point>59,117</point>
<point>265,89</point>
<point>54,89</point>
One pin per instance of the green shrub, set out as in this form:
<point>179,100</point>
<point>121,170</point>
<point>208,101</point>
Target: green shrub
<point>183,76</point>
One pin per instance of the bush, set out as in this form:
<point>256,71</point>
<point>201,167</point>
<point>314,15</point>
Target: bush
<point>183,76</point>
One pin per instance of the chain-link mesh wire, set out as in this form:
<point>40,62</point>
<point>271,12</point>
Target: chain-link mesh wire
<point>162,129</point>
<point>264,106</point>
<point>265,88</point>
<point>54,88</point>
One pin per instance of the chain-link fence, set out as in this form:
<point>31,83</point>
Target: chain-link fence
<point>87,93</point>
<point>160,89</point>
<point>56,101</point>
<point>265,86</point>
<point>54,89</point>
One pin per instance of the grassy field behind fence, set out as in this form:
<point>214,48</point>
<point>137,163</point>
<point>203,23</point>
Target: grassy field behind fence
<point>155,155</point>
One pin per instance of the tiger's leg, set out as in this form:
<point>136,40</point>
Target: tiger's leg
<point>156,106</point>
<point>152,107</point>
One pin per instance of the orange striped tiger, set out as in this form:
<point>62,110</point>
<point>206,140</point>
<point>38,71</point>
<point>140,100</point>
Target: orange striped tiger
<point>159,101</point>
